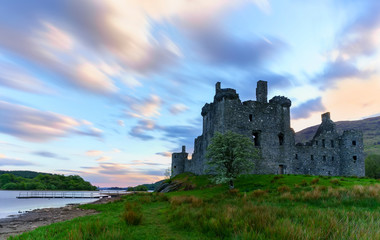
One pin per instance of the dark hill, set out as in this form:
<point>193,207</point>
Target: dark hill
<point>369,126</point>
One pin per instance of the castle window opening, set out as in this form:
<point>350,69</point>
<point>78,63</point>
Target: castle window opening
<point>354,143</point>
<point>312,157</point>
<point>316,142</point>
<point>332,143</point>
<point>250,117</point>
<point>296,156</point>
<point>175,166</point>
<point>324,158</point>
<point>323,143</point>
<point>256,138</point>
<point>281,139</point>
<point>355,158</point>
<point>332,159</point>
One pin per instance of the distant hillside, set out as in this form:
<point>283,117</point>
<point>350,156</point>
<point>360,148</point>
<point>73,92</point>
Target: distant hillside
<point>369,126</point>
<point>24,174</point>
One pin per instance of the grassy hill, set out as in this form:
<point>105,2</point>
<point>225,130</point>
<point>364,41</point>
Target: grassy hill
<point>369,126</point>
<point>261,207</point>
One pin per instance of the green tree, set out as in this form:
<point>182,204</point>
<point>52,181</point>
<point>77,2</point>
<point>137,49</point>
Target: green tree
<point>230,155</point>
<point>372,166</point>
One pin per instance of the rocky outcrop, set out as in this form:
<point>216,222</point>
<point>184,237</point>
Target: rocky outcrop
<point>168,187</point>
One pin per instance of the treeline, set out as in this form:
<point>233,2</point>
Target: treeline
<point>145,187</point>
<point>9,181</point>
<point>23,173</point>
<point>372,166</point>
<point>138,188</point>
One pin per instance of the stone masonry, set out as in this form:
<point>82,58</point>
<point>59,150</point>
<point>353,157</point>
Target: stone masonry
<point>329,153</point>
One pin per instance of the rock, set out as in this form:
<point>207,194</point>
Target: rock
<point>161,186</point>
<point>169,187</point>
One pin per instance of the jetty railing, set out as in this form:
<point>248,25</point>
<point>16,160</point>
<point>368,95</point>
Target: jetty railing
<point>37,194</point>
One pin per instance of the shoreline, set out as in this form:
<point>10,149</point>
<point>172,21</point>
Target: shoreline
<point>30,220</point>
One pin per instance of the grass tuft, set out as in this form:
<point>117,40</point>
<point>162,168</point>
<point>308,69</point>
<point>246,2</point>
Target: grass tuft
<point>314,181</point>
<point>132,214</point>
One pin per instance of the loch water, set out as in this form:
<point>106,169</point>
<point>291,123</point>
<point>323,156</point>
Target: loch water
<point>11,205</point>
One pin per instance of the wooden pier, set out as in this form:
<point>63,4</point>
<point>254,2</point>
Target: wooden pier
<point>35,194</point>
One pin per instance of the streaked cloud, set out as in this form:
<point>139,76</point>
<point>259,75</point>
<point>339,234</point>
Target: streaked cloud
<point>178,108</point>
<point>35,125</point>
<point>356,42</point>
<point>141,129</point>
<point>5,161</point>
<point>94,152</point>
<point>120,123</point>
<point>147,108</point>
<point>219,47</point>
<point>165,154</point>
<point>47,154</point>
<point>14,76</point>
<point>103,159</point>
<point>307,108</point>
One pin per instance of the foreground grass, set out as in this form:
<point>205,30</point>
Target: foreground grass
<point>262,207</point>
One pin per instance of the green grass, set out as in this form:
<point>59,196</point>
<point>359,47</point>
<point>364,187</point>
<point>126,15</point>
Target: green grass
<point>261,207</point>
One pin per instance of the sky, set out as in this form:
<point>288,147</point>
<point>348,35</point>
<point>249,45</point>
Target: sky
<point>109,89</point>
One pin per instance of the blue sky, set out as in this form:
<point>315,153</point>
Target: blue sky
<point>108,89</point>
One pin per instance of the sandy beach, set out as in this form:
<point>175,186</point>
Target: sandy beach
<point>40,217</point>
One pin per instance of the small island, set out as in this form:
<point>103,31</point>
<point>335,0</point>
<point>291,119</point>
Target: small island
<point>29,180</point>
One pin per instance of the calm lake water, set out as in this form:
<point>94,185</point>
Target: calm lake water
<point>10,205</point>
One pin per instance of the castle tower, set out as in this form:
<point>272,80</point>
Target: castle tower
<point>262,91</point>
<point>351,154</point>
<point>179,161</point>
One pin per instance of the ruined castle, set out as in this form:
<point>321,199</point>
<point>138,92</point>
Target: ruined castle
<point>329,153</point>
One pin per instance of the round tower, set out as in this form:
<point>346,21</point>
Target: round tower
<point>179,161</point>
<point>351,153</point>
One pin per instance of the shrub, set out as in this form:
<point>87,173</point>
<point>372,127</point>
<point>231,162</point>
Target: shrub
<point>314,181</point>
<point>234,192</point>
<point>275,178</point>
<point>312,195</point>
<point>287,195</point>
<point>258,193</point>
<point>304,183</point>
<point>179,200</point>
<point>321,188</point>
<point>283,188</point>
<point>160,197</point>
<point>335,181</point>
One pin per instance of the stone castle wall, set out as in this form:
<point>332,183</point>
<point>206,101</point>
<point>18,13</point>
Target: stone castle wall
<point>268,125</point>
